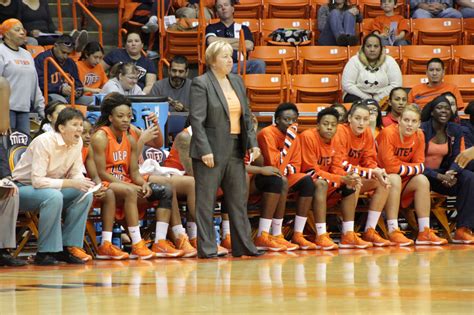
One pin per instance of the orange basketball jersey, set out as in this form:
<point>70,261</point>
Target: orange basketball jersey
<point>117,155</point>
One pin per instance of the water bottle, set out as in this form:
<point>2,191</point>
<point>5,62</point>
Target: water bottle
<point>117,235</point>
<point>217,227</point>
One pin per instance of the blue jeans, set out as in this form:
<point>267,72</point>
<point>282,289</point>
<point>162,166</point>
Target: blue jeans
<point>254,66</point>
<point>448,13</point>
<point>398,42</point>
<point>51,203</point>
<point>339,23</point>
<point>467,13</point>
<point>20,121</point>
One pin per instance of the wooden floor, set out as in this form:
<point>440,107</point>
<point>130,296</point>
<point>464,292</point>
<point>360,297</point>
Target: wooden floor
<point>377,281</point>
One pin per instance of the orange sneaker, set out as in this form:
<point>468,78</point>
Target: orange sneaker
<point>353,240</point>
<point>463,235</point>
<point>398,238</point>
<point>194,242</point>
<point>280,239</point>
<point>79,253</point>
<point>372,236</point>
<point>183,244</point>
<point>325,242</point>
<point>227,243</point>
<point>164,248</point>
<point>221,251</point>
<point>298,238</point>
<point>266,242</point>
<point>109,251</point>
<point>141,251</point>
<point>428,237</point>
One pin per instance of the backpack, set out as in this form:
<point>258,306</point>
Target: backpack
<point>294,36</point>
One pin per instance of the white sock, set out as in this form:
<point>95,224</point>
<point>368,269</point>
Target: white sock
<point>300,222</point>
<point>135,234</point>
<point>192,229</point>
<point>178,230</point>
<point>225,227</point>
<point>264,226</point>
<point>372,220</point>
<point>423,223</point>
<point>347,226</point>
<point>392,225</point>
<point>161,231</point>
<point>106,236</point>
<point>276,226</point>
<point>320,228</point>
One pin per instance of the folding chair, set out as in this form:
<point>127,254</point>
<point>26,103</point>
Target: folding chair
<point>315,88</point>
<point>322,59</point>
<point>415,58</point>
<point>463,59</point>
<point>274,56</point>
<point>436,31</point>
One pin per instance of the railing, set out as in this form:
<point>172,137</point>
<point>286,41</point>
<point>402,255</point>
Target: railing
<point>63,74</point>
<point>88,13</point>
<point>242,54</point>
<point>60,16</point>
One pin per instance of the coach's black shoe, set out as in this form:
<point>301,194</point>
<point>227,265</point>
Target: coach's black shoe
<point>67,257</point>
<point>8,260</point>
<point>256,254</point>
<point>46,259</point>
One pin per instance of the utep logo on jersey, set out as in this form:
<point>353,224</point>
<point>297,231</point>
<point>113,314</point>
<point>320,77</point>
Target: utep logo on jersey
<point>91,78</point>
<point>119,156</point>
<point>403,151</point>
<point>355,153</point>
<point>154,154</point>
<point>324,160</point>
<point>18,138</point>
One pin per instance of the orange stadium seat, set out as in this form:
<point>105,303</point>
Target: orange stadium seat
<point>465,84</point>
<point>103,4</point>
<point>468,34</point>
<point>308,114</point>
<point>415,58</point>
<point>287,9</point>
<point>410,80</point>
<point>315,88</point>
<point>269,25</point>
<point>463,59</point>
<point>436,31</point>
<point>253,25</point>
<point>371,8</point>
<point>273,55</point>
<point>322,59</point>
<point>266,91</point>
<point>248,9</point>
<point>35,50</point>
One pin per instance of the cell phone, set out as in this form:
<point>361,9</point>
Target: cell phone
<point>148,122</point>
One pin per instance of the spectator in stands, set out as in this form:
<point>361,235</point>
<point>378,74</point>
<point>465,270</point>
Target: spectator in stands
<point>51,115</point>
<point>124,80</point>
<point>91,72</point>
<point>401,151</point>
<point>468,125</point>
<point>190,9</point>
<point>388,26</point>
<point>342,110</point>
<point>397,100</point>
<point>17,67</point>
<point>177,86</point>
<point>50,180</point>
<point>336,22</point>
<point>36,18</point>
<point>58,88</point>
<point>229,31</point>
<point>371,73</point>
<point>133,53</point>
<point>467,8</point>
<point>424,93</point>
<point>9,9</point>
<point>444,141</point>
<point>426,9</point>
<point>454,106</point>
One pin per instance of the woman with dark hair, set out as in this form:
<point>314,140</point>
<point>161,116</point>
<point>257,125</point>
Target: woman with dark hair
<point>50,180</point>
<point>50,116</point>
<point>397,100</point>
<point>124,80</point>
<point>9,9</point>
<point>371,73</point>
<point>468,125</point>
<point>375,121</point>
<point>454,107</point>
<point>336,22</point>
<point>91,72</point>
<point>443,143</point>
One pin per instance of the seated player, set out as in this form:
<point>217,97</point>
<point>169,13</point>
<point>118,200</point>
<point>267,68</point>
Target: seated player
<point>397,100</point>
<point>116,160</point>
<point>281,149</point>
<point>318,151</point>
<point>355,147</point>
<point>401,151</point>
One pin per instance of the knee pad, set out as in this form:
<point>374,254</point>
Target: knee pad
<point>163,193</point>
<point>268,184</point>
<point>305,187</point>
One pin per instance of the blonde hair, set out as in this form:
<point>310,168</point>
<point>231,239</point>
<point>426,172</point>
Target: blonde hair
<point>411,108</point>
<point>214,49</point>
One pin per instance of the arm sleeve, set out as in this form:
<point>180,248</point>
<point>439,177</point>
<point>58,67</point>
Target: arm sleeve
<point>459,100</point>
<point>269,149</point>
<point>349,80</point>
<point>40,163</point>
<point>75,74</point>
<point>198,114</point>
<point>39,64</point>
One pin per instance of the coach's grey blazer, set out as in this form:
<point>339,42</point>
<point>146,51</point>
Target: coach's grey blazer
<point>210,120</point>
